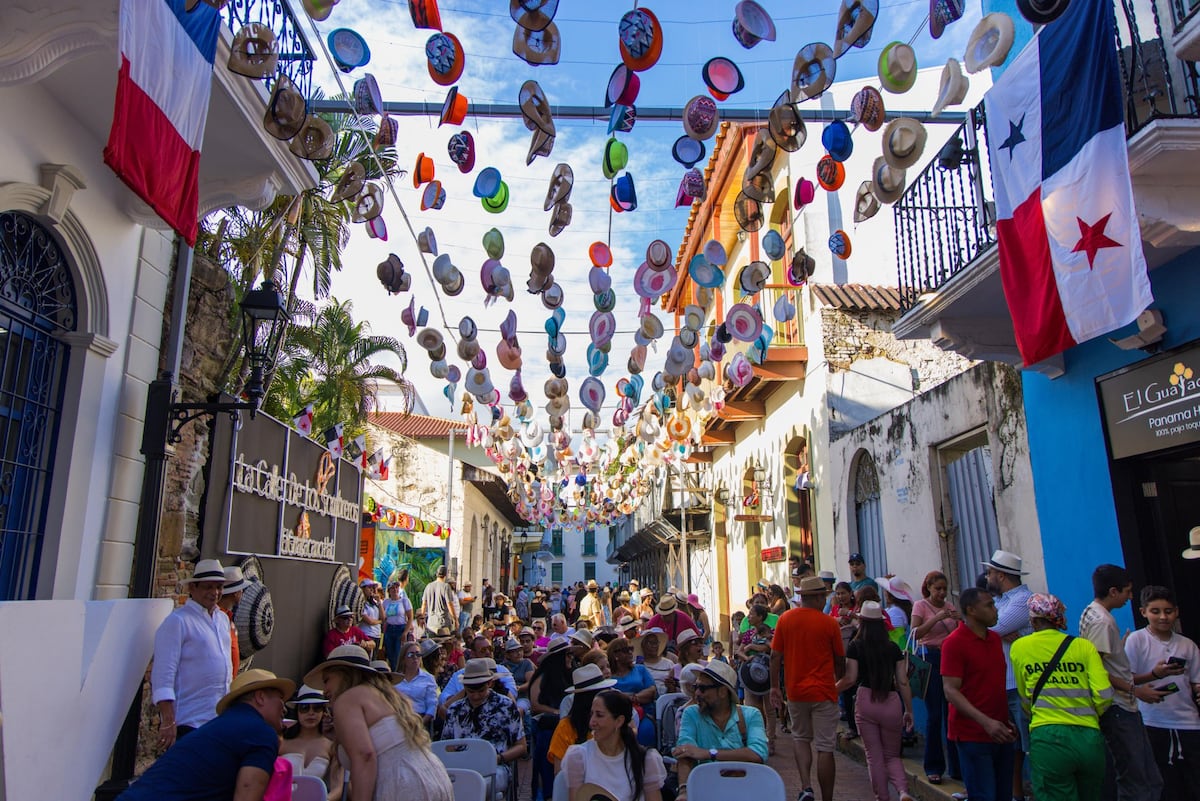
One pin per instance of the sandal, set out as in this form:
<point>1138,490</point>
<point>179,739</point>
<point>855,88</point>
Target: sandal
<point>934,778</point>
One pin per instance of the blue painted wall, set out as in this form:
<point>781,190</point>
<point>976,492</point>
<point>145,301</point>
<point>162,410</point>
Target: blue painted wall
<point>1067,451</point>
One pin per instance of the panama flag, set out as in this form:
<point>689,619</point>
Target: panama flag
<point>163,88</point>
<point>1070,250</point>
<point>303,421</point>
<point>333,440</point>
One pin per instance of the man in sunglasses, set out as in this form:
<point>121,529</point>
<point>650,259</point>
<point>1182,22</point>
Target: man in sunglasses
<point>716,728</point>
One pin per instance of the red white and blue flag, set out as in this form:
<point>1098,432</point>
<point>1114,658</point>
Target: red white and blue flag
<point>1070,249</point>
<point>163,88</point>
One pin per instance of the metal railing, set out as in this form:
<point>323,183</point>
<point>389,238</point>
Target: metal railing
<point>944,219</point>
<point>296,57</point>
<point>791,333</point>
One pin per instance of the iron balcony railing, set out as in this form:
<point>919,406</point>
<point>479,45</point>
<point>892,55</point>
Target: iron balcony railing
<point>946,218</point>
<point>296,57</point>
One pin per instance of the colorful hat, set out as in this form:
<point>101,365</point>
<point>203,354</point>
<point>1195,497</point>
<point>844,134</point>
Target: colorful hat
<point>622,118</point>
<point>425,14</point>
<point>487,183</point>
<point>748,212</point>
<point>600,254</point>
<point>773,245</point>
<point>714,251</point>
<point>740,371</point>
<point>658,255</point>
<point>866,205</point>
<point>990,42</point>
<point>903,142</point>
<point>537,47</point>
<point>867,107</point>
<point>493,244</point>
<point>348,49</point>
<point>722,77</point>
<point>785,124</point>
<point>386,135</point>
<point>624,195</point>
<point>952,89</point>
<point>752,24</point>
<point>454,109</point>
<point>368,100</point>
<point>743,322</point>
<point>856,18</point>
<point>701,118</point>
<point>623,87</point>
<point>813,71</point>
<point>422,170</point>
<point>651,283</point>
<point>591,394</point>
<point>601,327</point>
<point>616,157</point>
<point>837,141</point>
<point>534,15</point>
<point>461,148</point>
<point>434,196</point>
<point>688,151</point>
<point>597,360</point>
<point>944,12</point>
<point>641,39</point>
<point>319,9</point>
<point>445,58</point>
<point>839,244</point>
<point>806,192</point>
<point>704,273</point>
<point>691,188</point>
<point>897,67</point>
<point>377,228</point>
<point>887,182</point>
<point>830,174</point>
<point>753,278</point>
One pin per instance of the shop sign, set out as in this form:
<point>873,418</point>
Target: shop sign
<point>776,554</point>
<point>753,518</point>
<point>275,492</point>
<point>1153,405</point>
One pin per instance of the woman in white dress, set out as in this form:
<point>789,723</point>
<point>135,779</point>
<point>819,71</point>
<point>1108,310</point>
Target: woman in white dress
<point>303,744</point>
<point>612,759</point>
<point>382,741</point>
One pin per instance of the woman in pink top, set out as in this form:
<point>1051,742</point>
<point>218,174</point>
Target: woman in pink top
<point>933,619</point>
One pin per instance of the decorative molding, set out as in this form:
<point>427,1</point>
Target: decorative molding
<point>92,295</point>
<point>256,192</point>
<point>95,343</point>
<point>1158,148</point>
<point>62,181</point>
<point>914,323</point>
<point>39,40</point>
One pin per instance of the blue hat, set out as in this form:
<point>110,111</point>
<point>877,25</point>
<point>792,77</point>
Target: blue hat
<point>836,139</point>
<point>772,245</point>
<point>624,195</point>
<point>487,183</point>
<point>688,151</point>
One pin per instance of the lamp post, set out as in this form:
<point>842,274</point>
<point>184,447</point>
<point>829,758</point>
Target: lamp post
<point>264,321</point>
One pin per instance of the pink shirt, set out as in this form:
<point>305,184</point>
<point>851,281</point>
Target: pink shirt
<point>940,631</point>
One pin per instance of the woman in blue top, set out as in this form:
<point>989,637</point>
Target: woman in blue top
<point>636,683</point>
<point>418,685</point>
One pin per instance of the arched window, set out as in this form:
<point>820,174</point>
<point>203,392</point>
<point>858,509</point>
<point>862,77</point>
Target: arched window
<point>868,515</point>
<point>37,302</point>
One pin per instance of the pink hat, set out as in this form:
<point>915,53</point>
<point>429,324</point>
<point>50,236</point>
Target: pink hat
<point>694,602</point>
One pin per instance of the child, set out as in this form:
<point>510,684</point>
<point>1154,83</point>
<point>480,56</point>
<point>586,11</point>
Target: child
<point>1165,659</point>
<point>718,652</point>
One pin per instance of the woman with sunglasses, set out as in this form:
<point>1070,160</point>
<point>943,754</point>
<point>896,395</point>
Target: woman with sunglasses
<point>613,759</point>
<point>303,744</point>
<point>415,682</point>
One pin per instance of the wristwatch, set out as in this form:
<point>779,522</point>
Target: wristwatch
<point>712,754</point>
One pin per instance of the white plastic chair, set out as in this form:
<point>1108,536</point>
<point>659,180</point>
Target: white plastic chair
<point>560,787</point>
<point>470,754</point>
<point>718,781</point>
<point>308,788</point>
<point>468,785</point>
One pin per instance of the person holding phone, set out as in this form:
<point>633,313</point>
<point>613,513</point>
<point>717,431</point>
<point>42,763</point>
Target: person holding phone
<point>1169,663</point>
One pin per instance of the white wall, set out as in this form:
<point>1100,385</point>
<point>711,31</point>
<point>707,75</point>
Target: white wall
<point>573,558</point>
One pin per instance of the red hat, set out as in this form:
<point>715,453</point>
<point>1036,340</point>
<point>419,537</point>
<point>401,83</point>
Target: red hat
<point>422,170</point>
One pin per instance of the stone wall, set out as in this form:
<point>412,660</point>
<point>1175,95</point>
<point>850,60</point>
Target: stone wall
<point>850,336</point>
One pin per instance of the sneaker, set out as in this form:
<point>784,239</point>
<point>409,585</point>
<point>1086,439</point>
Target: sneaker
<point>807,794</point>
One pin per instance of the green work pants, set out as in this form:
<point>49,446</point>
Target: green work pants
<point>1067,761</point>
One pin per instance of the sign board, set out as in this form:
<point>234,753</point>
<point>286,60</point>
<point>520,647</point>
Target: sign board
<point>1153,405</point>
<point>276,493</point>
<point>776,554</point>
<point>753,518</point>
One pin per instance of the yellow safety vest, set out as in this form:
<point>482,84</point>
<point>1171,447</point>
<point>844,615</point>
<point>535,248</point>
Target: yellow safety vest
<point>1076,694</point>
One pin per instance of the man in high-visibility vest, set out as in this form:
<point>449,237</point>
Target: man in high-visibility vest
<point>1066,747</point>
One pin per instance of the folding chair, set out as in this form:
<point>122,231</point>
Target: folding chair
<point>471,754</point>
<point>468,785</point>
<point>719,781</point>
<point>308,788</point>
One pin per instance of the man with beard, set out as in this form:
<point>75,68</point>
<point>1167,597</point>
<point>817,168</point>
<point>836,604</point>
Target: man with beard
<point>716,728</point>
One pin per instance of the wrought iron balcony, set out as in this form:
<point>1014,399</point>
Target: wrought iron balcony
<point>296,57</point>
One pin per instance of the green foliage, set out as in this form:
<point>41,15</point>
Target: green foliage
<point>420,573</point>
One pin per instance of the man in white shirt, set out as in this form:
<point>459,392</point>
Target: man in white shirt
<point>1137,775</point>
<point>635,593</point>
<point>192,659</point>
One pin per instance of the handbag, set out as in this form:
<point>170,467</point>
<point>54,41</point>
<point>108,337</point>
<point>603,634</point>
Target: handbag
<point>917,668</point>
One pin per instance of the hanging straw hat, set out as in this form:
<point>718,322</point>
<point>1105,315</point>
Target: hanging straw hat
<point>813,71</point>
<point>990,42</point>
<point>254,52</point>
<point>952,89</point>
<point>897,67</point>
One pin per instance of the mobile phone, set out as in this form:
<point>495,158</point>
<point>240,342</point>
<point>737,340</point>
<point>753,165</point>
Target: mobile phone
<point>1177,660</point>
<point>1169,688</point>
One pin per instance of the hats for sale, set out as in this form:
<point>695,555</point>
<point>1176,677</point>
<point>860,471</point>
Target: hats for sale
<point>449,276</point>
<point>461,148</point>
<point>368,204</point>
<point>748,212</point>
<point>806,192</point>
<point>839,244</point>
<point>445,58</point>
<point>386,135</point>
<point>561,218</point>
<point>616,157</point>
<point>562,181</point>
<point>537,47</point>
<point>425,14</point>
<point>454,109</point>
<point>773,245</point>
<point>897,67</point>
<point>813,71</point>
<point>498,202</point>
<point>704,273</point>
<point>493,243</point>
<point>641,39</point>
<point>287,110</point>
<point>990,42</point>
<point>422,170</point>
<point>944,12</point>
<point>687,151</point>
<point>624,195</point>
<point>701,118</point>
<point>254,52</point>
<point>658,255</point>
<point>752,24</point>
<point>623,87</point>
<point>866,205</point>
<point>722,77</point>
<point>348,49</point>
<point>830,174</point>
<point>691,188</point>
<point>856,18</point>
<point>743,322</point>
<point>427,242</point>
<point>867,107</point>
<point>368,100</point>
<point>903,142</point>
<point>753,278</point>
<point>801,268</point>
<point>622,118</point>
<point>535,109</point>
<point>487,183</point>
<point>314,142</point>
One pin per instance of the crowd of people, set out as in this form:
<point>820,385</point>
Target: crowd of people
<point>570,679</point>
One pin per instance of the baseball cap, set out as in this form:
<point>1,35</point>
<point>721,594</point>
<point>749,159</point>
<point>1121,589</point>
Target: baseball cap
<point>856,557</point>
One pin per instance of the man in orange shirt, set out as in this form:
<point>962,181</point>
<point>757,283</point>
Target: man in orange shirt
<point>231,596</point>
<point>808,647</point>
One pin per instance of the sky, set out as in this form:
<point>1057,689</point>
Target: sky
<point>694,32</point>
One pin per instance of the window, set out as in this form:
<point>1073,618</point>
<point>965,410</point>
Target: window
<point>589,571</point>
<point>589,542</point>
<point>556,573</point>
<point>556,547</point>
<point>868,515</point>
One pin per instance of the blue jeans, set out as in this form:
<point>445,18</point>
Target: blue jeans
<point>987,770</point>
<point>938,760</point>
<point>393,645</point>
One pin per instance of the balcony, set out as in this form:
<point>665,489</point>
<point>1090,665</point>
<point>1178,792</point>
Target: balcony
<point>948,266</point>
<point>67,50</point>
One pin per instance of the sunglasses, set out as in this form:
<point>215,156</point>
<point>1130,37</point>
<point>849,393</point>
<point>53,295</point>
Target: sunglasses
<point>703,688</point>
<point>413,655</point>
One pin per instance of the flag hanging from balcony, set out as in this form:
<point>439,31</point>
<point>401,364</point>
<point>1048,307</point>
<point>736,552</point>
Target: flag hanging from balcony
<point>163,87</point>
<point>1070,250</point>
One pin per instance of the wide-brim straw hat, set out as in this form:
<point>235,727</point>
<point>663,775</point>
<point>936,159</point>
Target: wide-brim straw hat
<point>897,67</point>
<point>206,570</point>
<point>668,603</point>
<point>537,47</point>
<point>254,52</point>
<point>990,42</point>
<point>286,111</point>
<point>904,142</point>
<point>887,182</point>
<point>252,680</point>
<point>813,71</point>
<point>952,89</point>
<point>866,205</point>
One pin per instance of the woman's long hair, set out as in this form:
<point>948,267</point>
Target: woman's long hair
<point>581,714</point>
<point>555,678</point>
<point>410,722</point>
<point>619,706</point>
<point>877,658</point>
<point>776,592</point>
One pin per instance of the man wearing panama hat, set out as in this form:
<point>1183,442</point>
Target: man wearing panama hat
<point>670,619</point>
<point>192,656</point>
<point>1004,573</point>
<point>231,756</point>
<point>716,728</point>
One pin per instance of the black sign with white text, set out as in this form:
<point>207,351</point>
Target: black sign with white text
<point>1154,405</point>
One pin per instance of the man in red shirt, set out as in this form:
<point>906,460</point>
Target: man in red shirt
<point>670,619</point>
<point>344,632</point>
<point>973,671</point>
<point>808,646</point>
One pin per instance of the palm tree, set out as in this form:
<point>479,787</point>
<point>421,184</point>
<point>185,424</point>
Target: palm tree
<point>331,364</point>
